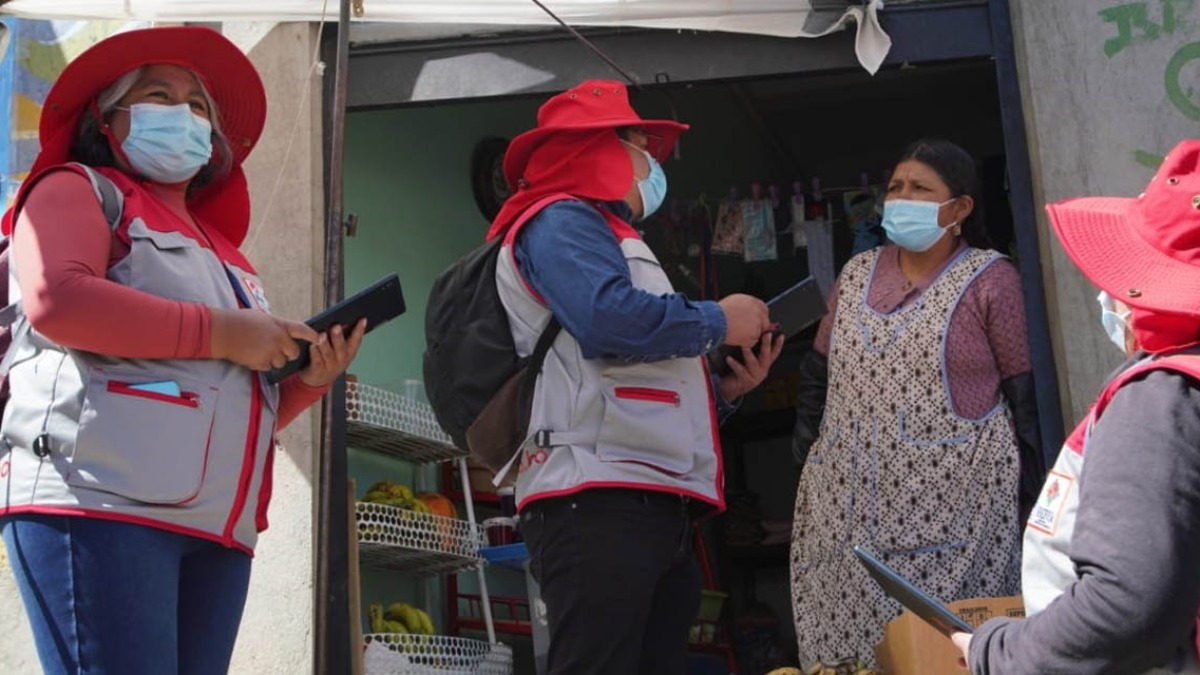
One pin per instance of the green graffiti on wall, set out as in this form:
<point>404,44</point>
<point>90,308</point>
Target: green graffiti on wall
<point>1182,96</point>
<point>1135,24</point>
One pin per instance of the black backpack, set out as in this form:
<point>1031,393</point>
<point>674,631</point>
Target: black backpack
<point>471,368</point>
<point>12,322</point>
<point>470,355</point>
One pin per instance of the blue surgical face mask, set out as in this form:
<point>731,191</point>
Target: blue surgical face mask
<point>913,224</point>
<point>167,143</point>
<point>1116,322</point>
<point>652,188</point>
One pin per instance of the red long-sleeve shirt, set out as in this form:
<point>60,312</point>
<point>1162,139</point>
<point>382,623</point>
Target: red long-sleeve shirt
<point>62,248</point>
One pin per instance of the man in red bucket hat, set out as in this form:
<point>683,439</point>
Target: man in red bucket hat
<point>624,416</point>
<point>1112,547</point>
<point>138,442</point>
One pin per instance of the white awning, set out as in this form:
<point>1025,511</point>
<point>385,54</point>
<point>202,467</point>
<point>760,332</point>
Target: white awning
<point>780,18</point>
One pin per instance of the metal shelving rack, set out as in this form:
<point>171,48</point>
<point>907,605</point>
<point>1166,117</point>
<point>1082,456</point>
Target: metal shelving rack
<point>438,654</point>
<point>419,544</point>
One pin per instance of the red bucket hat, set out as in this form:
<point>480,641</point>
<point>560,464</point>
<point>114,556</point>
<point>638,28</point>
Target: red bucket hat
<point>590,105</point>
<point>231,81</point>
<point>1144,252</point>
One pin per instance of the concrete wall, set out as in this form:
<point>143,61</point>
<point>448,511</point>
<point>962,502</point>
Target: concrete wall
<point>285,243</point>
<point>1108,89</point>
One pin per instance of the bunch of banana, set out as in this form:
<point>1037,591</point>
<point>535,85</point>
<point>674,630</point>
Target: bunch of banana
<point>387,492</point>
<point>409,618</point>
<point>393,494</point>
<point>843,667</point>
<point>381,624</point>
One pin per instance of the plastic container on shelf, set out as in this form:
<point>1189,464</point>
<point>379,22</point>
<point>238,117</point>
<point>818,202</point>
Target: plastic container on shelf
<point>501,531</point>
<point>508,500</point>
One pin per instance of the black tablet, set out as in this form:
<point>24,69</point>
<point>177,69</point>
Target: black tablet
<point>793,310</point>
<point>933,612</point>
<point>379,303</point>
<point>798,307</point>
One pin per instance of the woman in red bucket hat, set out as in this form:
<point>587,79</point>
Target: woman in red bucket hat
<point>625,452</point>
<point>1112,547</point>
<point>136,462</point>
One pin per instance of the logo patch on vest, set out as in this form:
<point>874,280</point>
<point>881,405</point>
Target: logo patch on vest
<point>1050,504</point>
<point>257,294</point>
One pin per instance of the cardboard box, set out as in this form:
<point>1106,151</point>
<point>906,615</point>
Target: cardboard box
<point>912,647</point>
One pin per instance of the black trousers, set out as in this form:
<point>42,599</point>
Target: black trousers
<point>619,579</point>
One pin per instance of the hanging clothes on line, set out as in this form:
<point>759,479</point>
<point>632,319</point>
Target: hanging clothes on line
<point>758,219</point>
<point>729,237</point>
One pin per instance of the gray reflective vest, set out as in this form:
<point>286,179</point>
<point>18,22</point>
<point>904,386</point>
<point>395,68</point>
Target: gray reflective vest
<point>599,423</point>
<point>81,437</point>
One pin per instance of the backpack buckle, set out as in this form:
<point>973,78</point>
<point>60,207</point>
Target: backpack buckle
<point>41,445</point>
<point>541,438</point>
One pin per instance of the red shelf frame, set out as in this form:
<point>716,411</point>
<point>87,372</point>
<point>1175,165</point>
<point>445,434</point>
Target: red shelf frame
<point>510,615</point>
<point>451,487</point>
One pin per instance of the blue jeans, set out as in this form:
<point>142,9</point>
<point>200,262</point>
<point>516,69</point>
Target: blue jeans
<point>112,598</point>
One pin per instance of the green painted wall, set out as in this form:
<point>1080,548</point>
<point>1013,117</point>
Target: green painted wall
<point>408,179</point>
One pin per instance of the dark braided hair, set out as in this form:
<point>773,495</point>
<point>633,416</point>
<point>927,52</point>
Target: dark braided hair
<point>957,170</point>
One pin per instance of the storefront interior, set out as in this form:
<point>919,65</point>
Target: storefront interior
<point>417,177</point>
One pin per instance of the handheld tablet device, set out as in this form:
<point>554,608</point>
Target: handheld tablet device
<point>379,303</point>
<point>792,311</point>
<point>933,612</point>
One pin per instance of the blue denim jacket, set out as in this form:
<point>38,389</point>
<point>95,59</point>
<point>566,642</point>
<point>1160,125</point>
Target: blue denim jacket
<point>569,255</point>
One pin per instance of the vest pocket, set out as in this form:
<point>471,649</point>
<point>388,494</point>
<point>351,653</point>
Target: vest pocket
<point>647,425</point>
<point>143,445</point>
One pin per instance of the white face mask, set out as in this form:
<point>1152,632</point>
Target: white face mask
<point>1116,322</point>
<point>167,143</point>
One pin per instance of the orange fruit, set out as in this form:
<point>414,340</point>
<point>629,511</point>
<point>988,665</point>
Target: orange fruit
<point>439,504</point>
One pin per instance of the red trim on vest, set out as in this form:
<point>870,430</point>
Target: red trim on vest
<point>1186,364</point>
<point>510,237</point>
<point>243,492</point>
<point>187,399</point>
<point>620,228</point>
<point>139,203</point>
<point>267,486</point>
<point>1074,442</point>
<point>123,518</point>
<point>622,231</point>
<point>648,487</point>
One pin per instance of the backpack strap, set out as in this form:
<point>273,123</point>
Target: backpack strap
<point>112,204</point>
<point>533,367</point>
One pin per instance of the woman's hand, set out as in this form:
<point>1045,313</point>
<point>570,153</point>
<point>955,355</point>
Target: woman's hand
<point>255,339</point>
<point>963,642</point>
<point>743,378</point>
<point>331,354</point>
